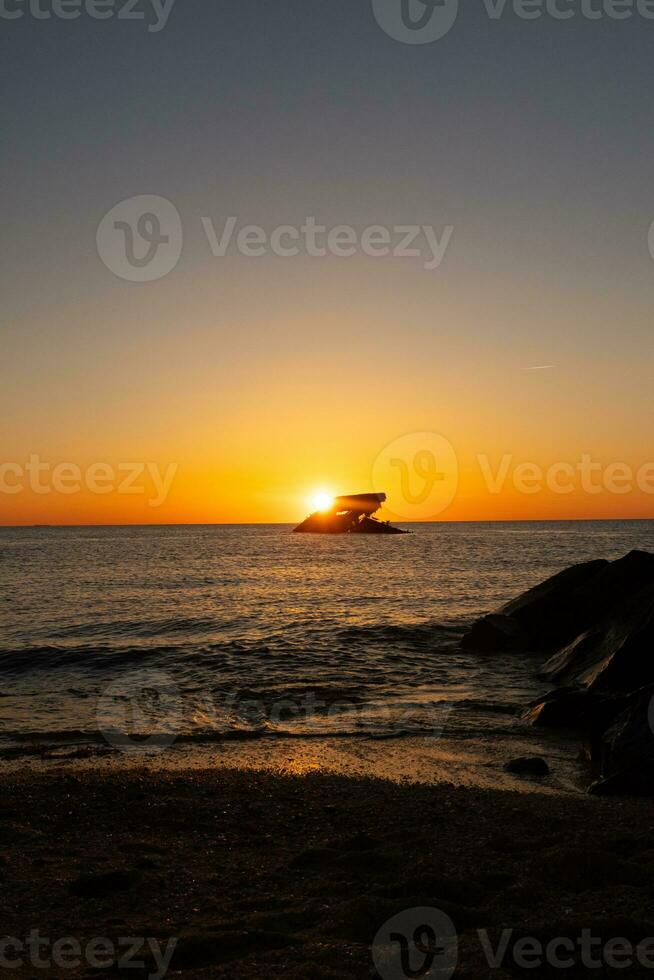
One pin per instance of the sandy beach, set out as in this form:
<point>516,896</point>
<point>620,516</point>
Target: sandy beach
<point>247,874</point>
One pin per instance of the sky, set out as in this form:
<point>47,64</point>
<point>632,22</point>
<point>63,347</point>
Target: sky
<point>235,386</point>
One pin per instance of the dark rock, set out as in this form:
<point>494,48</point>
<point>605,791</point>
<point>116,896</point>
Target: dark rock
<point>561,664</point>
<point>618,581</point>
<point>575,709</point>
<point>617,655</point>
<point>563,708</point>
<point>580,598</point>
<point>349,514</point>
<point>496,634</point>
<point>550,612</point>
<point>528,766</point>
<point>620,784</point>
<point>100,884</point>
<point>577,600</point>
<point>624,756</point>
<point>544,617</point>
<point>597,621</point>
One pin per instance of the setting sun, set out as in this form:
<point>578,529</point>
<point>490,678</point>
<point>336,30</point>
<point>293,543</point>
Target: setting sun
<point>322,500</point>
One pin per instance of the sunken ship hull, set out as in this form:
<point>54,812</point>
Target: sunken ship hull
<point>351,514</point>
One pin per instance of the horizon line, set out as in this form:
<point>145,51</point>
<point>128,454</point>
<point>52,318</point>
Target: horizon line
<point>504,520</point>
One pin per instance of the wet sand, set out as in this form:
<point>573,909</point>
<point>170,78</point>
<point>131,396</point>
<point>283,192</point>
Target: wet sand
<point>474,762</point>
<point>260,874</point>
<point>460,762</point>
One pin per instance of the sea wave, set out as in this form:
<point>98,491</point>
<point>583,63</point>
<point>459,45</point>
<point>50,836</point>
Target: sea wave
<point>420,634</point>
<point>143,628</point>
<point>130,644</point>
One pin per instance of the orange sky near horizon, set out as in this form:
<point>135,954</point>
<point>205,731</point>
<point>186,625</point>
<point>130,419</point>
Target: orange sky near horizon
<point>500,487</point>
<point>258,409</point>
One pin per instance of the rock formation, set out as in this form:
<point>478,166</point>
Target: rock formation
<point>350,514</point>
<point>595,621</point>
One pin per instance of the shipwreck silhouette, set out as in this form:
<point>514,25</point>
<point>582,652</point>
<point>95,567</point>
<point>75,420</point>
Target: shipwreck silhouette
<point>349,514</point>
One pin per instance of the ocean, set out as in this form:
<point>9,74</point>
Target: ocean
<point>158,639</point>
